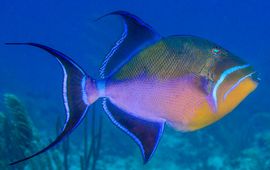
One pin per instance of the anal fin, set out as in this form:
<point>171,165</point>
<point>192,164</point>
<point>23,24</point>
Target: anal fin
<point>145,133</point>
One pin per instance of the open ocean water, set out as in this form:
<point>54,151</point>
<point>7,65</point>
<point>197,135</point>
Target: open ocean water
<point>31,107</point>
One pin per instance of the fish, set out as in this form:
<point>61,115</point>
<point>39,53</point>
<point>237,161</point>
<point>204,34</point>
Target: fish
<point>148,80</point>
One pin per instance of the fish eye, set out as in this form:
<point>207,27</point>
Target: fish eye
<point>215,51</point>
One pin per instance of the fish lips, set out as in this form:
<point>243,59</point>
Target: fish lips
<point>256,77</point>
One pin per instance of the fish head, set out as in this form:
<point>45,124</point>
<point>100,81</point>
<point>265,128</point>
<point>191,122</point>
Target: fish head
<point>233,80</point>
<point>230,80</point>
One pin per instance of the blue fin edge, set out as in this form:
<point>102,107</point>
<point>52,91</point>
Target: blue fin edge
<point>120,41</point>
<point>137,141</point>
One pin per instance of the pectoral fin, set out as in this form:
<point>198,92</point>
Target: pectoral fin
<point>145,133</point>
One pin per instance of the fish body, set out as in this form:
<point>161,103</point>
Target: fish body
<point>166,82</point>
<point>147,80</point>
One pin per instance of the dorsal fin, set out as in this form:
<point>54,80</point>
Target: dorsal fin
<point>136,36</point>
<point>145,133</point>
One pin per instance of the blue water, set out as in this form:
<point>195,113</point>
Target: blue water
<point>240,140</point>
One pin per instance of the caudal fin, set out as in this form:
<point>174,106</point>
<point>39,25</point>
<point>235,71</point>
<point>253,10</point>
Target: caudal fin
<point>74,94</point>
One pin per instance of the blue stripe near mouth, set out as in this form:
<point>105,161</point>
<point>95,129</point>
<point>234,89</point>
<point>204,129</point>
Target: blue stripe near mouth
<point>223,77</point>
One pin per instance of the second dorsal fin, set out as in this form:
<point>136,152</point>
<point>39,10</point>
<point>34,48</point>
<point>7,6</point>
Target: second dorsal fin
<point>136,36</point>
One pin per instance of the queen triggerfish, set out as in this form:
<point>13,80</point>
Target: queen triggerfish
<point>147,80</point>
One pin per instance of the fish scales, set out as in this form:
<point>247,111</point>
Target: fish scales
<point>169,58</point>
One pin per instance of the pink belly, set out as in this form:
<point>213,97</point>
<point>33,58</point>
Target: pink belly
<point>171,100</point>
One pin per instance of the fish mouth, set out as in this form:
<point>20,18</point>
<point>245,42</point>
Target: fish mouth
<point>254,76</point>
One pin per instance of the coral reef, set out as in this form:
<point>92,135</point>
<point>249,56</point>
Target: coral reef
<point>19,137</point>
<point>2,140</point>
<point>256,156</point>
<point>20,127</point>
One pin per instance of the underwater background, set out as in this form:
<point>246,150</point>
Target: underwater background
<point>31,107</point>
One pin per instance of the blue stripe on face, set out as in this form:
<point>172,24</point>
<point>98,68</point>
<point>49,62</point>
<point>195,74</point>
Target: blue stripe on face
<point>223,77</point>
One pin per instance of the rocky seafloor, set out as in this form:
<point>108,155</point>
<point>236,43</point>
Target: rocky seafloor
<point>101,146</point>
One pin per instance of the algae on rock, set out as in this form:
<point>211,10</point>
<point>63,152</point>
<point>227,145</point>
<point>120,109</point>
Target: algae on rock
<point>21,128</point>
<point>18,137</point>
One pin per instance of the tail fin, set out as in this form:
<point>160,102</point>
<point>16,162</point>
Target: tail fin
<point>74,94</point>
